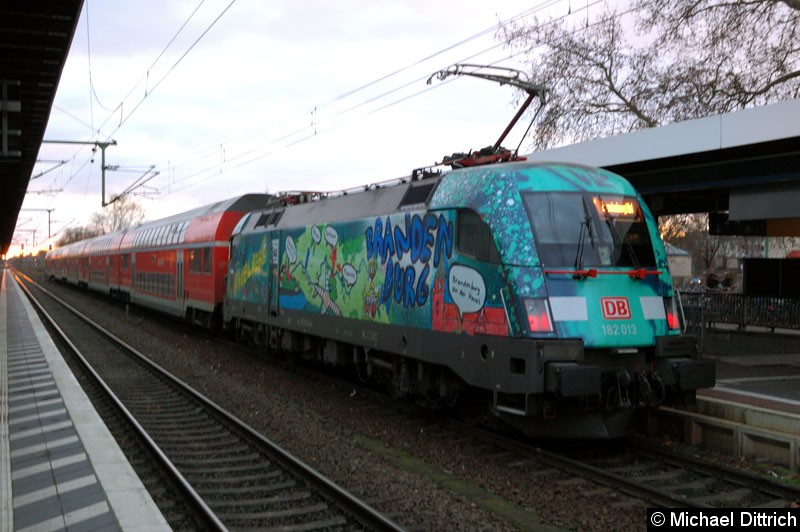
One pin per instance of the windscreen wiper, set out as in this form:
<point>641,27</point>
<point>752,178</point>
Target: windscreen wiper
<point>586,229</point>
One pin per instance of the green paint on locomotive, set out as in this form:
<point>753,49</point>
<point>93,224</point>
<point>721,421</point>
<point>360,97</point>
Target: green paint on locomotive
<point>405,268</point>
<point>400,269</point>
<point>248,273</point>
<point>495,192</point>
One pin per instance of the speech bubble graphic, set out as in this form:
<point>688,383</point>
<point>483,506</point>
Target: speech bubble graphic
<point>331,236</point>
<point>349,274</point>
<point>467,288</point>
<point>316,235</point>
<point>291,250</point>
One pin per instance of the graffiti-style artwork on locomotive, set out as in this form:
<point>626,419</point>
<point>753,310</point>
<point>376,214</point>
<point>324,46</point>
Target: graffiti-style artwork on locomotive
<point>397,269</point>
<point>248,274</point>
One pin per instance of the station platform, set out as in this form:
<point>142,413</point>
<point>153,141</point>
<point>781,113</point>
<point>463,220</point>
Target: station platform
<point>753,411</point>
<point>60,467</point>
<point>766,381</point>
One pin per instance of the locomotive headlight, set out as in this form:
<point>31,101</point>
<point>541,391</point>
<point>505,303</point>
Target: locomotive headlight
<point>672,313</point>
<point>538,313</point>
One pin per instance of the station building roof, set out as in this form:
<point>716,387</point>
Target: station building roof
<point>738,162</point>
<point>35,37</point>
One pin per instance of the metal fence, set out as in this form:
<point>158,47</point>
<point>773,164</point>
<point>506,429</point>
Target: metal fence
<point>726,323</point>
<point>742,310</point>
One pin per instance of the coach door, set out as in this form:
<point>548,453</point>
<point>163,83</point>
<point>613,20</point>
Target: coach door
<point>179,278</point>
<point>273,273</point>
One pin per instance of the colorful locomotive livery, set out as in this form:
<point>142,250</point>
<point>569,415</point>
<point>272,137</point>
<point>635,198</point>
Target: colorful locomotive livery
<point>396,269</point>
<point>542,290</point>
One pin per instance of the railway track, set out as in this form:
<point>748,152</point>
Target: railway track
<point>688,481</point>
<point>631,466</point>
<point>232,477</point>
<point>634,476</point>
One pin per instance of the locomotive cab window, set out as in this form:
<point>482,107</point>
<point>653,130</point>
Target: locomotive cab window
<point>474,238</point>
<point>577,230</point>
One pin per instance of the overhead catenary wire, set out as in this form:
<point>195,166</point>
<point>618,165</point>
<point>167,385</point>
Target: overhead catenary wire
<point>172,68</point>
<point>155,61</point>
<point>297,135</point>
<point>339,97</point>
<point>145,76</point>
<point>269,151</point>
<point>209,172</point>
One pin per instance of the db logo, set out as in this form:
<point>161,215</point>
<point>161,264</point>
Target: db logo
<point>615,308</point>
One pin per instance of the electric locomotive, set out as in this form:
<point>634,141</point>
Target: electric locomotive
<point>536,293</point>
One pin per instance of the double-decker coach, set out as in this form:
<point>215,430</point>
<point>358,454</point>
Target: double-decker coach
<point>176,265</point>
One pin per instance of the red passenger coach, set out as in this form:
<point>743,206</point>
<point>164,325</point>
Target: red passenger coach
<point>176,265</point>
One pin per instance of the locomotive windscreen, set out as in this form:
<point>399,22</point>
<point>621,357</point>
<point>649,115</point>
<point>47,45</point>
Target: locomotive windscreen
<point>578,230</point>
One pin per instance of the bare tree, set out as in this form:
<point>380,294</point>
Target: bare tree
<point>690,232</point>
<point>121,214</point>
<point>76,234</point>
<point>741,52</point>
<point>660,62</point>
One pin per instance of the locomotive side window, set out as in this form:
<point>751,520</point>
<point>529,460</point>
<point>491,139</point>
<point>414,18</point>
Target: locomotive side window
<point>474,238</point>
<point>417,194</point>
<point>262,220</point>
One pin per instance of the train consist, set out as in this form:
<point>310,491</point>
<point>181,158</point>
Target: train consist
<point>176,265</point>
<point>537,294</point>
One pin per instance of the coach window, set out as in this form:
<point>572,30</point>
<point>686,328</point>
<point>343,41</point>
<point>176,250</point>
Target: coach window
<point>195,261</point>
<point>206,260</point>
<point>184,227</point>
<point>126,260</point>
<point>474,237</point>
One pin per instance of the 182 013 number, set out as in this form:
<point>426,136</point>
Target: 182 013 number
<point>619,329</point>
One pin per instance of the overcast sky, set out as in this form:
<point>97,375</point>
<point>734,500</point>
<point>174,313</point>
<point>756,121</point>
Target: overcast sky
<point>253,96</point>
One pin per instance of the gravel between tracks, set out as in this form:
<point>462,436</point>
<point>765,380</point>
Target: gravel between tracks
<point>442,485</point>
